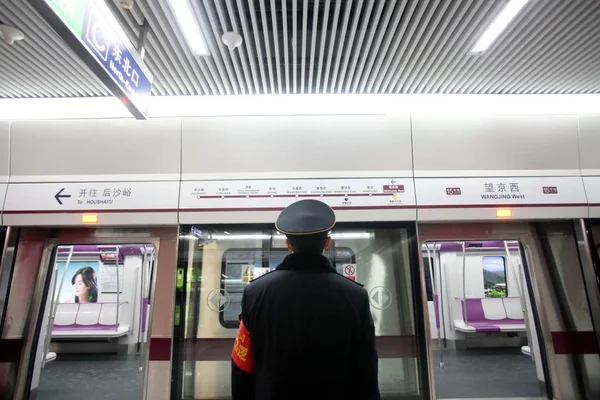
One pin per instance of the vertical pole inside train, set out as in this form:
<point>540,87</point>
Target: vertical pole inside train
<point>142,301</point>
<point>54,301</point>
<point>517,281</point>
<point>464,276</point>
<point>436,301</point>
<point>118,288</point>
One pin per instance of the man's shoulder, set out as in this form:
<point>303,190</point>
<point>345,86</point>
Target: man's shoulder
<point>264,279</point>
<point>347,284</point>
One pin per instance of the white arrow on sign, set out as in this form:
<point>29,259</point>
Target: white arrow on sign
<point>218,300</point>
<point>380,297</point>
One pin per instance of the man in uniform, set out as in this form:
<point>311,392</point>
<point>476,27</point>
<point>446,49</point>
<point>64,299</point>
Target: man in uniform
<point>306,332</point>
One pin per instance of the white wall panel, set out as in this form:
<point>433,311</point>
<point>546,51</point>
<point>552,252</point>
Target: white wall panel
<point>495,145</point>
<point>4,161</point>
<point>114,203</point>
<point>592,190</point>
<point>4,150</point>
<point>296,147</point>
<point>589,144</point>
<point>94,151</point>
<point>467,199</point>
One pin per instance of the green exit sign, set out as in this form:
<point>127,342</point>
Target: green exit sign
<point>72,12</point>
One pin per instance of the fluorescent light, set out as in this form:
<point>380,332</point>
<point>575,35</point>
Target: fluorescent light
<point>511,9</point>
<point>241,237</point>
<point>352,235</point>
<point>272,105</point>
<point>189,26</point>
<point>227,233</point>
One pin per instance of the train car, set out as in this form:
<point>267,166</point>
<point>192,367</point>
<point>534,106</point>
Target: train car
<point>480,268</point>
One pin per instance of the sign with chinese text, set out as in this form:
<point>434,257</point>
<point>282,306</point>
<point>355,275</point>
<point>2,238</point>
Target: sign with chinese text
<point>256,195</point>
<point>93,33</point>
<point>108,277</point>
<point>25,198</point>
<point>494,192</point>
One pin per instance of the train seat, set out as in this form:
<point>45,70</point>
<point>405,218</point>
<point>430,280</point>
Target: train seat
<point>88,320</point>
<point>108,315</point>
<point>88,314</point>
<point>513,308</point>
<point>488,315</point>
<point>66,314</point>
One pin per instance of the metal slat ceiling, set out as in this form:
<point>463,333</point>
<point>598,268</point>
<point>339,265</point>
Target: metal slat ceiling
<point>326,46</point>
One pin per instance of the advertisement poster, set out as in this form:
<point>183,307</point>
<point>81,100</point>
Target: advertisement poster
<point>80,285</point>
<point>108,279</point>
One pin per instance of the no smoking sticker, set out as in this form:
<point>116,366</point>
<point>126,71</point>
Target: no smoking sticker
<point>350,271</point>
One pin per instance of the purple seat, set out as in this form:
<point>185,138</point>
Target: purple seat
<point>476,317</point>
<point>496,319</point>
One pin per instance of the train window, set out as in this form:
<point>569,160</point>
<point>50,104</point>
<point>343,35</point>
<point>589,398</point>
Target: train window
<point>241,266</point>
<point>227,258</point>
<point>494,276</point>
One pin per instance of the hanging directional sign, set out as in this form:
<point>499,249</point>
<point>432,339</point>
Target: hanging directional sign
<point>92,32</point>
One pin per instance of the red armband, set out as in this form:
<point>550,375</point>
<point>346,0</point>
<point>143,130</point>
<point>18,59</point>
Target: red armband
<point>242,350</point>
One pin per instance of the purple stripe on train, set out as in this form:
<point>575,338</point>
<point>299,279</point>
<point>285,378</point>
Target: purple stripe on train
<point>78,327</point>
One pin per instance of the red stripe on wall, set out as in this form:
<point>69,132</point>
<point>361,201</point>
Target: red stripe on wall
<point>220,349</point>
<point>267,196</point>
<point>160,349</point>
<point>575,342</point>
<point>117,211</point>
<point>544,205</point>
<point>341,208</point>
<point>404,346</point>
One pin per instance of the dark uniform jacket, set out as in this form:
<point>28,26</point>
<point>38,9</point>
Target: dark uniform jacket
<point>306,332</point>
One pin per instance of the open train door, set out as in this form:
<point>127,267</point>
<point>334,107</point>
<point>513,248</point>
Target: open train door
<point>8,243</point>
<point>556,267</point>
<point>37,274</point>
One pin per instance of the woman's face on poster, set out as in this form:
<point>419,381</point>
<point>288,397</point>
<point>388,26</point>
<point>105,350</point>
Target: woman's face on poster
<point>80,289</point>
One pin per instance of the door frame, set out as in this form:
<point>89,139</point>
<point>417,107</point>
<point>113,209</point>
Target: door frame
<point>532,266</point>
<point>77,236</point>
<point>590,280</point>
